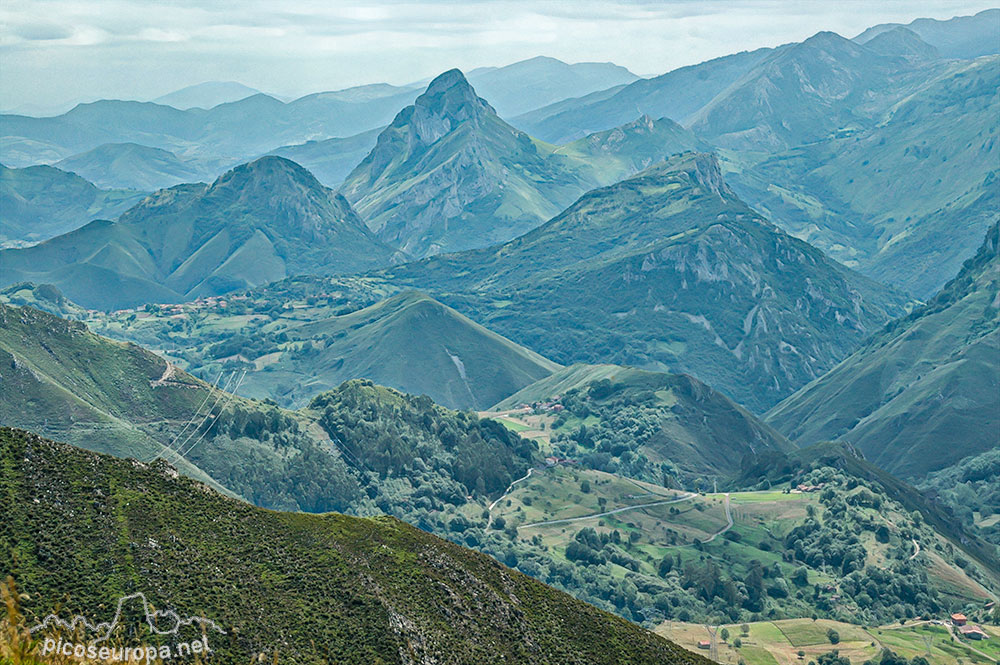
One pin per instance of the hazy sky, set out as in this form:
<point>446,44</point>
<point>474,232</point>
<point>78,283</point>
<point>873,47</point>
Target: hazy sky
<point>57,51</point>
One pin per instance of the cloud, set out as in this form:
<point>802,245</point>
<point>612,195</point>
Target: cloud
<point>59,49</point>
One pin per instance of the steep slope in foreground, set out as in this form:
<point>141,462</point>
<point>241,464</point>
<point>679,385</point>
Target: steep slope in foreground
<point>667,270</point>
<point>331,587</point>
<point>923,393</point>
<point>449,174</point>
<point>409,342</point>
<point>672,421</point>
<point>260,222</point>
<point>41,202</point>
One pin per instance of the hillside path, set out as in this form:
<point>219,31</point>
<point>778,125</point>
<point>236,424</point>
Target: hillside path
<point>510,489</point>
<point>686,497</point>
<point>916,549</point>
<point>729,518</point>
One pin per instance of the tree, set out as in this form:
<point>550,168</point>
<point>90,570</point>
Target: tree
<point>833,636</point>
<point>745,628</point>
<point>738,643</point>
<point>725,634</point>
<point>585,486</point>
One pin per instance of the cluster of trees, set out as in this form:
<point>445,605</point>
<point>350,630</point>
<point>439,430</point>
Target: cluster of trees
<point>392,435</point>
<point>969,488</point>
<point>885,657</point>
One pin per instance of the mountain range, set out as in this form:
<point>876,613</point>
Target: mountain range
<point>666,270</point>
<point>131,166</point>
<point>958,37</point>
<point>683,347</point>
<point>928,377</point>
<point>905,201</point>
<point>41,202</point>
<point>206,95</point>
<point>257,223</point>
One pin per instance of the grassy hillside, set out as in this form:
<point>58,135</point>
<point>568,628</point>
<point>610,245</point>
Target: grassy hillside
<point>664,428</point>
<point>928,378</point>
<point>40,202</point>
<point>300,337</point>
<point>412,343</point>
<point>370,450</point>
<point>844,552</point>
<point>906,200</point>
<point>121,399</point>
<point>258,222</point>
<point>779,642</point>
<point>295,588</point>
<point>670,271</point>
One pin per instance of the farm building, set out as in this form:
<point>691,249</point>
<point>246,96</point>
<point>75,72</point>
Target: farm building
<point>973,632</point>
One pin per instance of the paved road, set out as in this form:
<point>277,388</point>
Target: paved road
<point>567,520</point>
<point>729,518</point>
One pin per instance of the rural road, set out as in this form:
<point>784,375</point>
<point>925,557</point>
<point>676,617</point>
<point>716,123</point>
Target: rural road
<point>916,549</point>
<point>510,489</point>
<point>965,643</point>
<point>729,518</point>
<point>567,520</point>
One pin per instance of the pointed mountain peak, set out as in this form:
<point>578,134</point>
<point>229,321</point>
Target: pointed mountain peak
<point>451,97</point>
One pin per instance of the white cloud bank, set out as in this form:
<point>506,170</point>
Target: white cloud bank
<point>56,51</point>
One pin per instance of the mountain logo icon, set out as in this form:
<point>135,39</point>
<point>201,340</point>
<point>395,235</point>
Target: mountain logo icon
<point>154,619</point>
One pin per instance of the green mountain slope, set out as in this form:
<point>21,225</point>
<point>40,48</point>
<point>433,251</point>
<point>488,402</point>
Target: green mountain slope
<point>409,342</point>
<point>332,587</point>
<point>259,222</point>
<point>120,399</point>
<point>41,202</point>
<point>923,393</point>
<point>131,166</point>
<point>675,424</point>
<point>772,468</point>
<point>802,93</point>
<point>905,201</point>
<point>449,174</point>
<point>667,270</point>
<point>608,156</point>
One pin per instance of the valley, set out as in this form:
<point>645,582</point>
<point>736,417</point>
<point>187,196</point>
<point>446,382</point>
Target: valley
<point>536,361</point>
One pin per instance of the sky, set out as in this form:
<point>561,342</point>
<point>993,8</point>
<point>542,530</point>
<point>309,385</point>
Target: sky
<point>54,53</point>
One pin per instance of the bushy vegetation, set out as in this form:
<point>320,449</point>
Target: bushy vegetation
<point>82,529</point>
<point>971,489</point>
